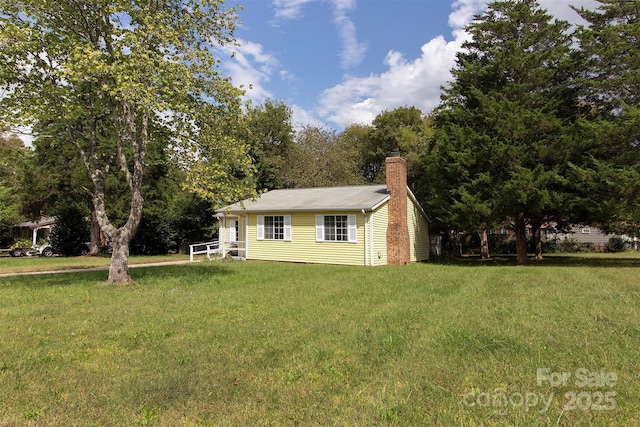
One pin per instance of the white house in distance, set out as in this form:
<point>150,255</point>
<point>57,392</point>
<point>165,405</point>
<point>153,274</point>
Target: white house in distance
<point>35,230</point>
<point>367,225</point>
<point>591,235</point>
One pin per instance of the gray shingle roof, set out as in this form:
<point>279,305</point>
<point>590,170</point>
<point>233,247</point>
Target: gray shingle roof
<point>350,198</point>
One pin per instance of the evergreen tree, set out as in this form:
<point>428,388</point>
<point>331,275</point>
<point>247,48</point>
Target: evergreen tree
<point>610,89</point>
<point>504,126</point>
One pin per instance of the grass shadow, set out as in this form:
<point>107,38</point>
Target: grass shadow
<point>187,272</point>
<point>603,260</point>
<point>593,260</point>
<point>213,268</point>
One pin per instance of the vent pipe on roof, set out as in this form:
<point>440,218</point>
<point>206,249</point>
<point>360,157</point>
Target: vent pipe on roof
<point>398,245</point>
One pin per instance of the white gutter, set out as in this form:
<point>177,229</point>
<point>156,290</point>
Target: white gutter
<point>380,203</point>
<point>222,235</point>
<point>369,246</point>
<point>366,224</point>
<point>371,243</point>
<point>245,221</point>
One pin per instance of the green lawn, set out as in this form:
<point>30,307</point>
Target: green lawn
<point>37,264</point>
<point>262,344</point>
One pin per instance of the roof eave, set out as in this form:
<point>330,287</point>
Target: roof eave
<point>324,209</point>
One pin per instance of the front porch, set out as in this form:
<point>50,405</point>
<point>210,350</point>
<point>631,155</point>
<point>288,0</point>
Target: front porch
<point>231,241</point>
<point>36,230</point>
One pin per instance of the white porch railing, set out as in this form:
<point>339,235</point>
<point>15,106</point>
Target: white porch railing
<point>236,249</point>
<point>207,248</point>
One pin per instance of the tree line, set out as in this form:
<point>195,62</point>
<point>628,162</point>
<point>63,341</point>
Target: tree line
<point>538,125</point>
<point>49,178</point>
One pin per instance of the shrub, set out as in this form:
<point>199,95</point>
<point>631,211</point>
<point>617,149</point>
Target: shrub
<point>502,244</point>
<point>568,245</point>
<point>71,229</point>
<point>154,236</point>
<point>616,244</point>
<point>550,246</point>
<point>22,244</point>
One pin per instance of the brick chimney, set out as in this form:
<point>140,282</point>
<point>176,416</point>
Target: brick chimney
<point>398,247</point>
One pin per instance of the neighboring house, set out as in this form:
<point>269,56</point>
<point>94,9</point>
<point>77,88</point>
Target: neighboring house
<point>34,230</point>
<point>357,225</point>
<point>587,234</point>
<point>580,233</point>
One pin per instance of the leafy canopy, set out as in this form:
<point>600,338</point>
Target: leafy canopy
<point>109,76</point>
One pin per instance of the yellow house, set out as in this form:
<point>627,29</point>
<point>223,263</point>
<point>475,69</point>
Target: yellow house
<point>356,225</point>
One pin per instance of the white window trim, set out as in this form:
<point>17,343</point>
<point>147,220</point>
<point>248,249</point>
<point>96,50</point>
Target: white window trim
<point>260,228</point>
<point>352,229</point>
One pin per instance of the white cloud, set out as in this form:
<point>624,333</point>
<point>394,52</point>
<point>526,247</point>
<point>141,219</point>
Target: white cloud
<point>405,83</point>
<point>463,12</point>
<point>251,69</point>
<point>414,82</point>
<point>289,9</point>
<point>562,9</point>
<point>301,117</point>
<point>352,51</point>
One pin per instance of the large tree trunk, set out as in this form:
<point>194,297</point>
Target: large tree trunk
<point>130,129</point>
<point>136,133</point>
<point>127,130</point>
<point>521,240</point>
<point>120,238</point>
<point>119,266</point>
<point>484,245</point>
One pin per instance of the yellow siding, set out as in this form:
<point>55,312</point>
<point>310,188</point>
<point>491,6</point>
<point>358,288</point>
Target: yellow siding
<point>303,246</point>
<point>418,232</point>
<point>380,222</point>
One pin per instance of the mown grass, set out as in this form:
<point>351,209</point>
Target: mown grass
<point>261,344</point>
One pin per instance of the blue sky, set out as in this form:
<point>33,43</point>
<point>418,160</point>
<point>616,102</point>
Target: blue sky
<point>338,62</point>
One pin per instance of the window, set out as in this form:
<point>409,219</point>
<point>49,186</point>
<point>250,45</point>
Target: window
<point>274,227</point>
<point>586,231</point>
<point>336,228</point>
